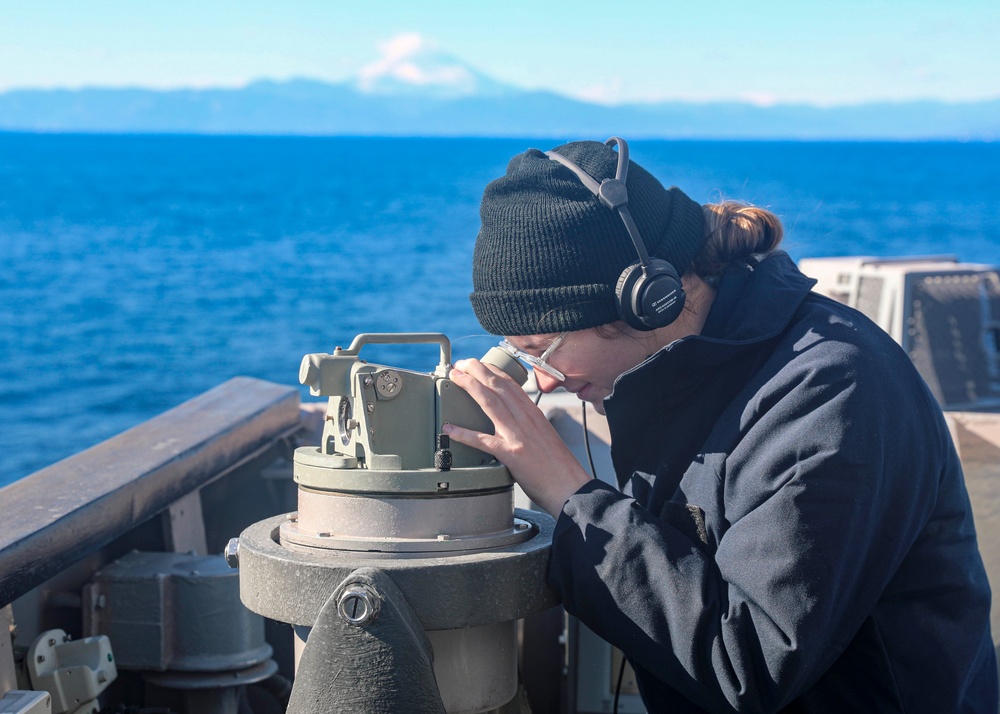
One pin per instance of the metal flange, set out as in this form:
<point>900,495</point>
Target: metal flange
<point>446,591</point>
<point>335,472</point>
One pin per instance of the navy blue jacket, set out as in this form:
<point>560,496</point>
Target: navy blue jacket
<point>793,531</point>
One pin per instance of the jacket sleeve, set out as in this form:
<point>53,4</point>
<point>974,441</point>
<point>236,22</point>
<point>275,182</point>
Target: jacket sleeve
<point>816,483</point>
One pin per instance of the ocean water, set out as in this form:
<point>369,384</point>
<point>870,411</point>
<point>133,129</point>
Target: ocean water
<point>139,271</point>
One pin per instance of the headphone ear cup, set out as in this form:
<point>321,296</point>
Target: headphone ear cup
<point>651,299</point>
<point>623,296</point>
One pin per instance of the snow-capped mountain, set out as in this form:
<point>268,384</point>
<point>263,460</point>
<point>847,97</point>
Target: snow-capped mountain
<point>411,66</point>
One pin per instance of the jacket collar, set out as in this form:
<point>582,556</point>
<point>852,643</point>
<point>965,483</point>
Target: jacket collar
<point>756,299</point>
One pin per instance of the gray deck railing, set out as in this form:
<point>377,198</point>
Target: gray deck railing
<point>65,512</point>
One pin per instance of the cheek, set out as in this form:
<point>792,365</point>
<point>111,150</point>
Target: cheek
<point>602,362</point>
<point>605,374</point>
<point>625,360</point>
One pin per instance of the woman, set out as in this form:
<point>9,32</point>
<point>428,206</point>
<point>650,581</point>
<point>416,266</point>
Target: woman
<point>792,530</point>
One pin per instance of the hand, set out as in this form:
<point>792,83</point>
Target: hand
<point>525,442</point>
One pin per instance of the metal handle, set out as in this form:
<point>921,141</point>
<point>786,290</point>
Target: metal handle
<point>400,338</point>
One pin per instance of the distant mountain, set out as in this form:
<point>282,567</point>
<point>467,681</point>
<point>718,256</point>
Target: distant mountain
<point>442,97</point>
<point>410,67</point>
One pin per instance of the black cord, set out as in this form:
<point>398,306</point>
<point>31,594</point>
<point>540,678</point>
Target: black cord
<point>593,472</point>
<point>586,439</point>
<point>586,433</point>
<point>618,687</point>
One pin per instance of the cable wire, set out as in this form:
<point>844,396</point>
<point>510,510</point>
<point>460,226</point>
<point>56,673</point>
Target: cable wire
<point>618,687</point>
<point>586,439</point>
<point>593,472</point>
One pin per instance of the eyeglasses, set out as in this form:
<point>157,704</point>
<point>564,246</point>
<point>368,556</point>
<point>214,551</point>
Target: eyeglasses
<point>538,362</point>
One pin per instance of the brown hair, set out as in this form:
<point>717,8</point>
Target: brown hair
<point>733,231</point>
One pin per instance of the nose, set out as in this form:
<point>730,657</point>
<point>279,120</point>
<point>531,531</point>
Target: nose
<point>546,382</point>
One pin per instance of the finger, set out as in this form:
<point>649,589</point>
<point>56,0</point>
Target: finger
<point>507,434</point>
<point>491,377</point>
<point>496,380</point>
<point>476,439</point>
<point>479,382</point>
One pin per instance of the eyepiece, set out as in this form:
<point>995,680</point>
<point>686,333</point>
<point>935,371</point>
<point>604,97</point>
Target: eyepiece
<point>511,366</point>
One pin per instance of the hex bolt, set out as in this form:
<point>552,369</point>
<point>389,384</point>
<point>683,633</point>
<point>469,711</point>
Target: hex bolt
<point>233,552</point>
<point>358,605</point>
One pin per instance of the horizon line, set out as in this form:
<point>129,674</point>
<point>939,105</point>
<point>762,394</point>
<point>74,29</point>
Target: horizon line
<point>485,137</point>
<point>349,83</point>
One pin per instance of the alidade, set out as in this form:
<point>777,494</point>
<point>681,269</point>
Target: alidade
<point>381,417</point>
<point>383,437</point>
<point>405,548</point>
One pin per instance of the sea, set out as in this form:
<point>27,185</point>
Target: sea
<point>138,271</point>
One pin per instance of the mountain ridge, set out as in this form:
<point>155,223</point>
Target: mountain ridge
<point>396,108</point>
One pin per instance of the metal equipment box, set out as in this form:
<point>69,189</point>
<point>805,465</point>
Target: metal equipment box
<point>945,314</point>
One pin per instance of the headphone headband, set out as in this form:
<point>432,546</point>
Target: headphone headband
<point>613,193</point>
<point>649,292</point>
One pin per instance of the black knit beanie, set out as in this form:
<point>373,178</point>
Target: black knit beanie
<point>549,254</point>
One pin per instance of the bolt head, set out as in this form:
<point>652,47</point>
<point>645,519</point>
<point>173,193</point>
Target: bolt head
<point>233,552</point>
<point>359,605</point>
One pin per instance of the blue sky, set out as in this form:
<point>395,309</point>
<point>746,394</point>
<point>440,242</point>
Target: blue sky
<point>837,52</point>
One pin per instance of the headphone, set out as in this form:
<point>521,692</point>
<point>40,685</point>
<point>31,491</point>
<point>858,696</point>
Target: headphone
<point>649,293</point>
